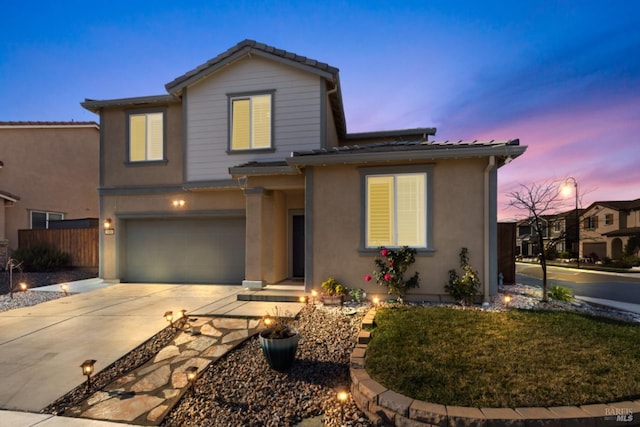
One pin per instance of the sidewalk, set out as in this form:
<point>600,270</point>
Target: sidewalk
<point>607,303</point>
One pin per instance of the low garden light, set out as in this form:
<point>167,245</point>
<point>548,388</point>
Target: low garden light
<point>23,286</point>
<point>65,289</point>
<point>507,300</point>
<point>342,398</point>
<point>168,315</point>
<point>376,301</point>
<point>192,374</point>
<point>303,300</point>
<point>314,296</point>
<point>87,369</point>
<point>267,321</point>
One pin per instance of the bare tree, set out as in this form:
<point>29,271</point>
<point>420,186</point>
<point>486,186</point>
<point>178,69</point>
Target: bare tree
<point>539,201</point>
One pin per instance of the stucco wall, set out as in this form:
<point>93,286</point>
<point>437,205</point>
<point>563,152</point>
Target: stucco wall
<point>458,217</point>
<point>116,170</point>
<point>52,168</point>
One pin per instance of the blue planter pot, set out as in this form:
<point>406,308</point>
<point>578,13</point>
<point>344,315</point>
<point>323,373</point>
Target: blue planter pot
<point>279,352</point>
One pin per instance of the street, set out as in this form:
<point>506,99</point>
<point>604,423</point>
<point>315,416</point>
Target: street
<point>612,286</point>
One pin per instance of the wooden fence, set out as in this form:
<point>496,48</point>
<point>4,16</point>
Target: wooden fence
<point>80,243</point>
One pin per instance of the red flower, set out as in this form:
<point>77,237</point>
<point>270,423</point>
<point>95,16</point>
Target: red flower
<point>384,252</point>
<point>390,263</point>
<point>367,278</point>
<point>387,277</point>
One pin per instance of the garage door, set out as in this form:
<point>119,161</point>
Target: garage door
<point>594,250</point>
<point>202,250</point>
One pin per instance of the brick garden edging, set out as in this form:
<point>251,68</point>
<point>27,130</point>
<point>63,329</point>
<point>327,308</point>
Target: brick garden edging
<point>386,407</point>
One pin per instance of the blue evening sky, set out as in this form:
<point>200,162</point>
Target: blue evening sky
<point>562,76</point>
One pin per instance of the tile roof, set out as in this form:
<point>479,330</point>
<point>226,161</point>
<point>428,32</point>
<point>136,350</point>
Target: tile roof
<point>619,205</point>
<point>241,49</point>
<point>8,196</point>
<point>44,123</point>
<point>414,145</point>
<point>623,232</point>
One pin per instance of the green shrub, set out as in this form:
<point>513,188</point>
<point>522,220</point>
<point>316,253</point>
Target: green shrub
<point>560,293</point>
<point>332,287</point>
<point>41,257</point>
<point>463,289</point>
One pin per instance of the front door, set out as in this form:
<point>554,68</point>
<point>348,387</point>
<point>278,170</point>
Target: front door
<point>297,245</point>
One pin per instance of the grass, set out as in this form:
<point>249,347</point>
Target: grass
<point>504,359</point>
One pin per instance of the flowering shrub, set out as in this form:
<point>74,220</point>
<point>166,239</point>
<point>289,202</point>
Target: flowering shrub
<point>463,289</point>
<point>390,271</point>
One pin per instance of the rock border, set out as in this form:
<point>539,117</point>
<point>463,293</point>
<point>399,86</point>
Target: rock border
<point>386,407</point>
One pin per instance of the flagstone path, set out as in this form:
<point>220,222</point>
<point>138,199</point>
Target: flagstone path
<point>145,395</point>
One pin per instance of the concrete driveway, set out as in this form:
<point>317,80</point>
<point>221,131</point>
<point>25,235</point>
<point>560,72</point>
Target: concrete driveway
<point>42,347</point>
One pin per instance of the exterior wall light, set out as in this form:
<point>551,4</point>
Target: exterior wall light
<point>87,369</point>
<point>107,225</point>
<point>179,203</point>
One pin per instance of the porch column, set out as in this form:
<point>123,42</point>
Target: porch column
<point>255,238</point>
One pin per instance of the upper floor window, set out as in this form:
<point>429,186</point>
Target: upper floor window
<point>251,122</point>
<point>40,220</point>
<point>591,222</point>
<point>146,136</point>
<point>396,211</point>
<point>608,219</point>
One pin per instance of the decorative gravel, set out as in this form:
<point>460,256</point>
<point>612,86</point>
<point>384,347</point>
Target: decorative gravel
<point>241,389</point>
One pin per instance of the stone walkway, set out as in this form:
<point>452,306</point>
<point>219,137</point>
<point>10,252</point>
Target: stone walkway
<point>145,395</point>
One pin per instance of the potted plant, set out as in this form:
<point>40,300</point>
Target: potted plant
<point>279,342</point>
<point>333,292</point>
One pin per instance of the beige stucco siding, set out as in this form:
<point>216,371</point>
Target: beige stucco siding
<point>458,204</point>
<point>296,112</point>
<point>51,168</point>
<point>118,172</point>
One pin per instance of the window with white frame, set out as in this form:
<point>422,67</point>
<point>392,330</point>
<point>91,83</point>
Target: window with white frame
<point>396,211</point>
<point>146,136</point>
<point>41,219</point>
<point>251,122</point>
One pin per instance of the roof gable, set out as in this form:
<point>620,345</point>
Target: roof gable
<point>251,47</point>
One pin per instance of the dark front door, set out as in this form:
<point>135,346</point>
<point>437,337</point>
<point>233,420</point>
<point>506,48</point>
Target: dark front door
<point>297,245</point>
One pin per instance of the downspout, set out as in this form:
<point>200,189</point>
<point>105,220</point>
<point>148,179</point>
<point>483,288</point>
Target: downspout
<point>488,201</point>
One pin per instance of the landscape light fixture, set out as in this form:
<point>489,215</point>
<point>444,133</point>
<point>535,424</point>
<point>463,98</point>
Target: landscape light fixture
<point>507,300</point>
<point>107,225</point>
<point>168,315</point>
<point>314,295</point>
<point>23,286</point>
<point>87,369</point>
<point>376,301</point>
<point>342,398</point>
<point>267,321</point>
<point>566,190</point>
<point>192,374</point>
<point>65,289</point>
<point>303,300</point>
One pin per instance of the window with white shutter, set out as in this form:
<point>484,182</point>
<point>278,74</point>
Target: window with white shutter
<point>146,137</point>
<point>251,122</point>
<point>396,210</point>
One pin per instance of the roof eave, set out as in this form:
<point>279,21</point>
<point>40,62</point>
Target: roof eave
<point>405,155</point>
<point>95,105</point>
<point>263,170</point>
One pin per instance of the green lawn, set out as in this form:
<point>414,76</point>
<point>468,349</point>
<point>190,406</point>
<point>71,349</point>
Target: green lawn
<point>504,359</point>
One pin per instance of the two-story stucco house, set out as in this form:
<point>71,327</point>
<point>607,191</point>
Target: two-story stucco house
<point>48,172</point>
<point>607,227</point>
<point>244,172</point>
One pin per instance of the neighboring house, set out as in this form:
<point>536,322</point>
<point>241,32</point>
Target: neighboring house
<point>48,172</point>
<point>607,227</point>
<point>559,233</point>
<point>244,173</point>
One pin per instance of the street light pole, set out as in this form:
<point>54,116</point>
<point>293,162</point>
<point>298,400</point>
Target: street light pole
<point>575,187</point>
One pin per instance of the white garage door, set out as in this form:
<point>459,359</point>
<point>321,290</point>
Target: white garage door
<point>185,250</point>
